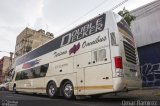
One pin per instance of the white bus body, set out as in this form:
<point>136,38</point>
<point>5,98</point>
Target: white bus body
<point>96,57</point>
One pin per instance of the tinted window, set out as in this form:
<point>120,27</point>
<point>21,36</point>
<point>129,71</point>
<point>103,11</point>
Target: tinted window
<point>18,76</point>
<point>27,74</point>
<point>23,75</point>
<point>44,69</point>
<point>35,72</point>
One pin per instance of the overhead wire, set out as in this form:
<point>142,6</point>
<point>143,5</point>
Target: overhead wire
<point>118,5</point>
<point>83,15</point>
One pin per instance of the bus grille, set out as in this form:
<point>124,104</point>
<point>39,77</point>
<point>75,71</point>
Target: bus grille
<point>129,52</point>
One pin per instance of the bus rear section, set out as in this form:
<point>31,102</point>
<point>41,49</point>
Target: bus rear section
<point>127,72</point>
<point>130,66</point>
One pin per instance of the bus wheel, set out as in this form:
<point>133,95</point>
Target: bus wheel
<point>68,91</point>
<point>3,88</point>
<point>52,90</point>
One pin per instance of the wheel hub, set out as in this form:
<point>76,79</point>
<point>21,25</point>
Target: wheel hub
<point>68,90</point>
<point>51,90</point>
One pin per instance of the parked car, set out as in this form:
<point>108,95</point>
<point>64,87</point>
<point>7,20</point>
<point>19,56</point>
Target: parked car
<point>4,86</point>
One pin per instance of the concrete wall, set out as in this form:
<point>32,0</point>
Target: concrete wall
<point>146,27</point>
<point>146,30</point>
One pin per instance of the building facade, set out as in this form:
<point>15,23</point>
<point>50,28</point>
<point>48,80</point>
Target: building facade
<point>1,67</point>
<point>146,29</point>
<point>5,64</point>
<point>29,39</point>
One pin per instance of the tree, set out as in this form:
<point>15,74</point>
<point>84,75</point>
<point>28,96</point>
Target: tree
<point>127,16</point>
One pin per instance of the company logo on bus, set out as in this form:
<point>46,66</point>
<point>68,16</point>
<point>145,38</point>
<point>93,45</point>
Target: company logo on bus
<point>74,49</point>
<point>87,29</point>
<point>30,64</point>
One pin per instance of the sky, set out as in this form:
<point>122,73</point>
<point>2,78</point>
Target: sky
<point>55,16</point>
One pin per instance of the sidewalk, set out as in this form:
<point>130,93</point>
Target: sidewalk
<point>143,93</point>
<point>146,92</point>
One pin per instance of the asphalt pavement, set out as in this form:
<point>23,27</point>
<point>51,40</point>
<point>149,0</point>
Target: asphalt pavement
<point>121,99</point>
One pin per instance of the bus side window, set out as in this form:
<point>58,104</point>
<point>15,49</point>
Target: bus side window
<point>22,75</point>
<point>44,69</point>
<point>36,72</point>
<point>25,74</point>
<point>99,55</point>
<point>95,56</point>
<point>29,74</point>
<point>18,76</point>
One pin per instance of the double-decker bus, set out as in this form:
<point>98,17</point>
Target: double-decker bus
<point>96,57</point>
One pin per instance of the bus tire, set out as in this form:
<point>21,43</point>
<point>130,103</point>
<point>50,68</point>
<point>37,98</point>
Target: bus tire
<point>3,88</point>
<point>52,90</point>
<point>68,90</point>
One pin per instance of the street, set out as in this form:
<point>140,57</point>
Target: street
<point>23,99</point>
